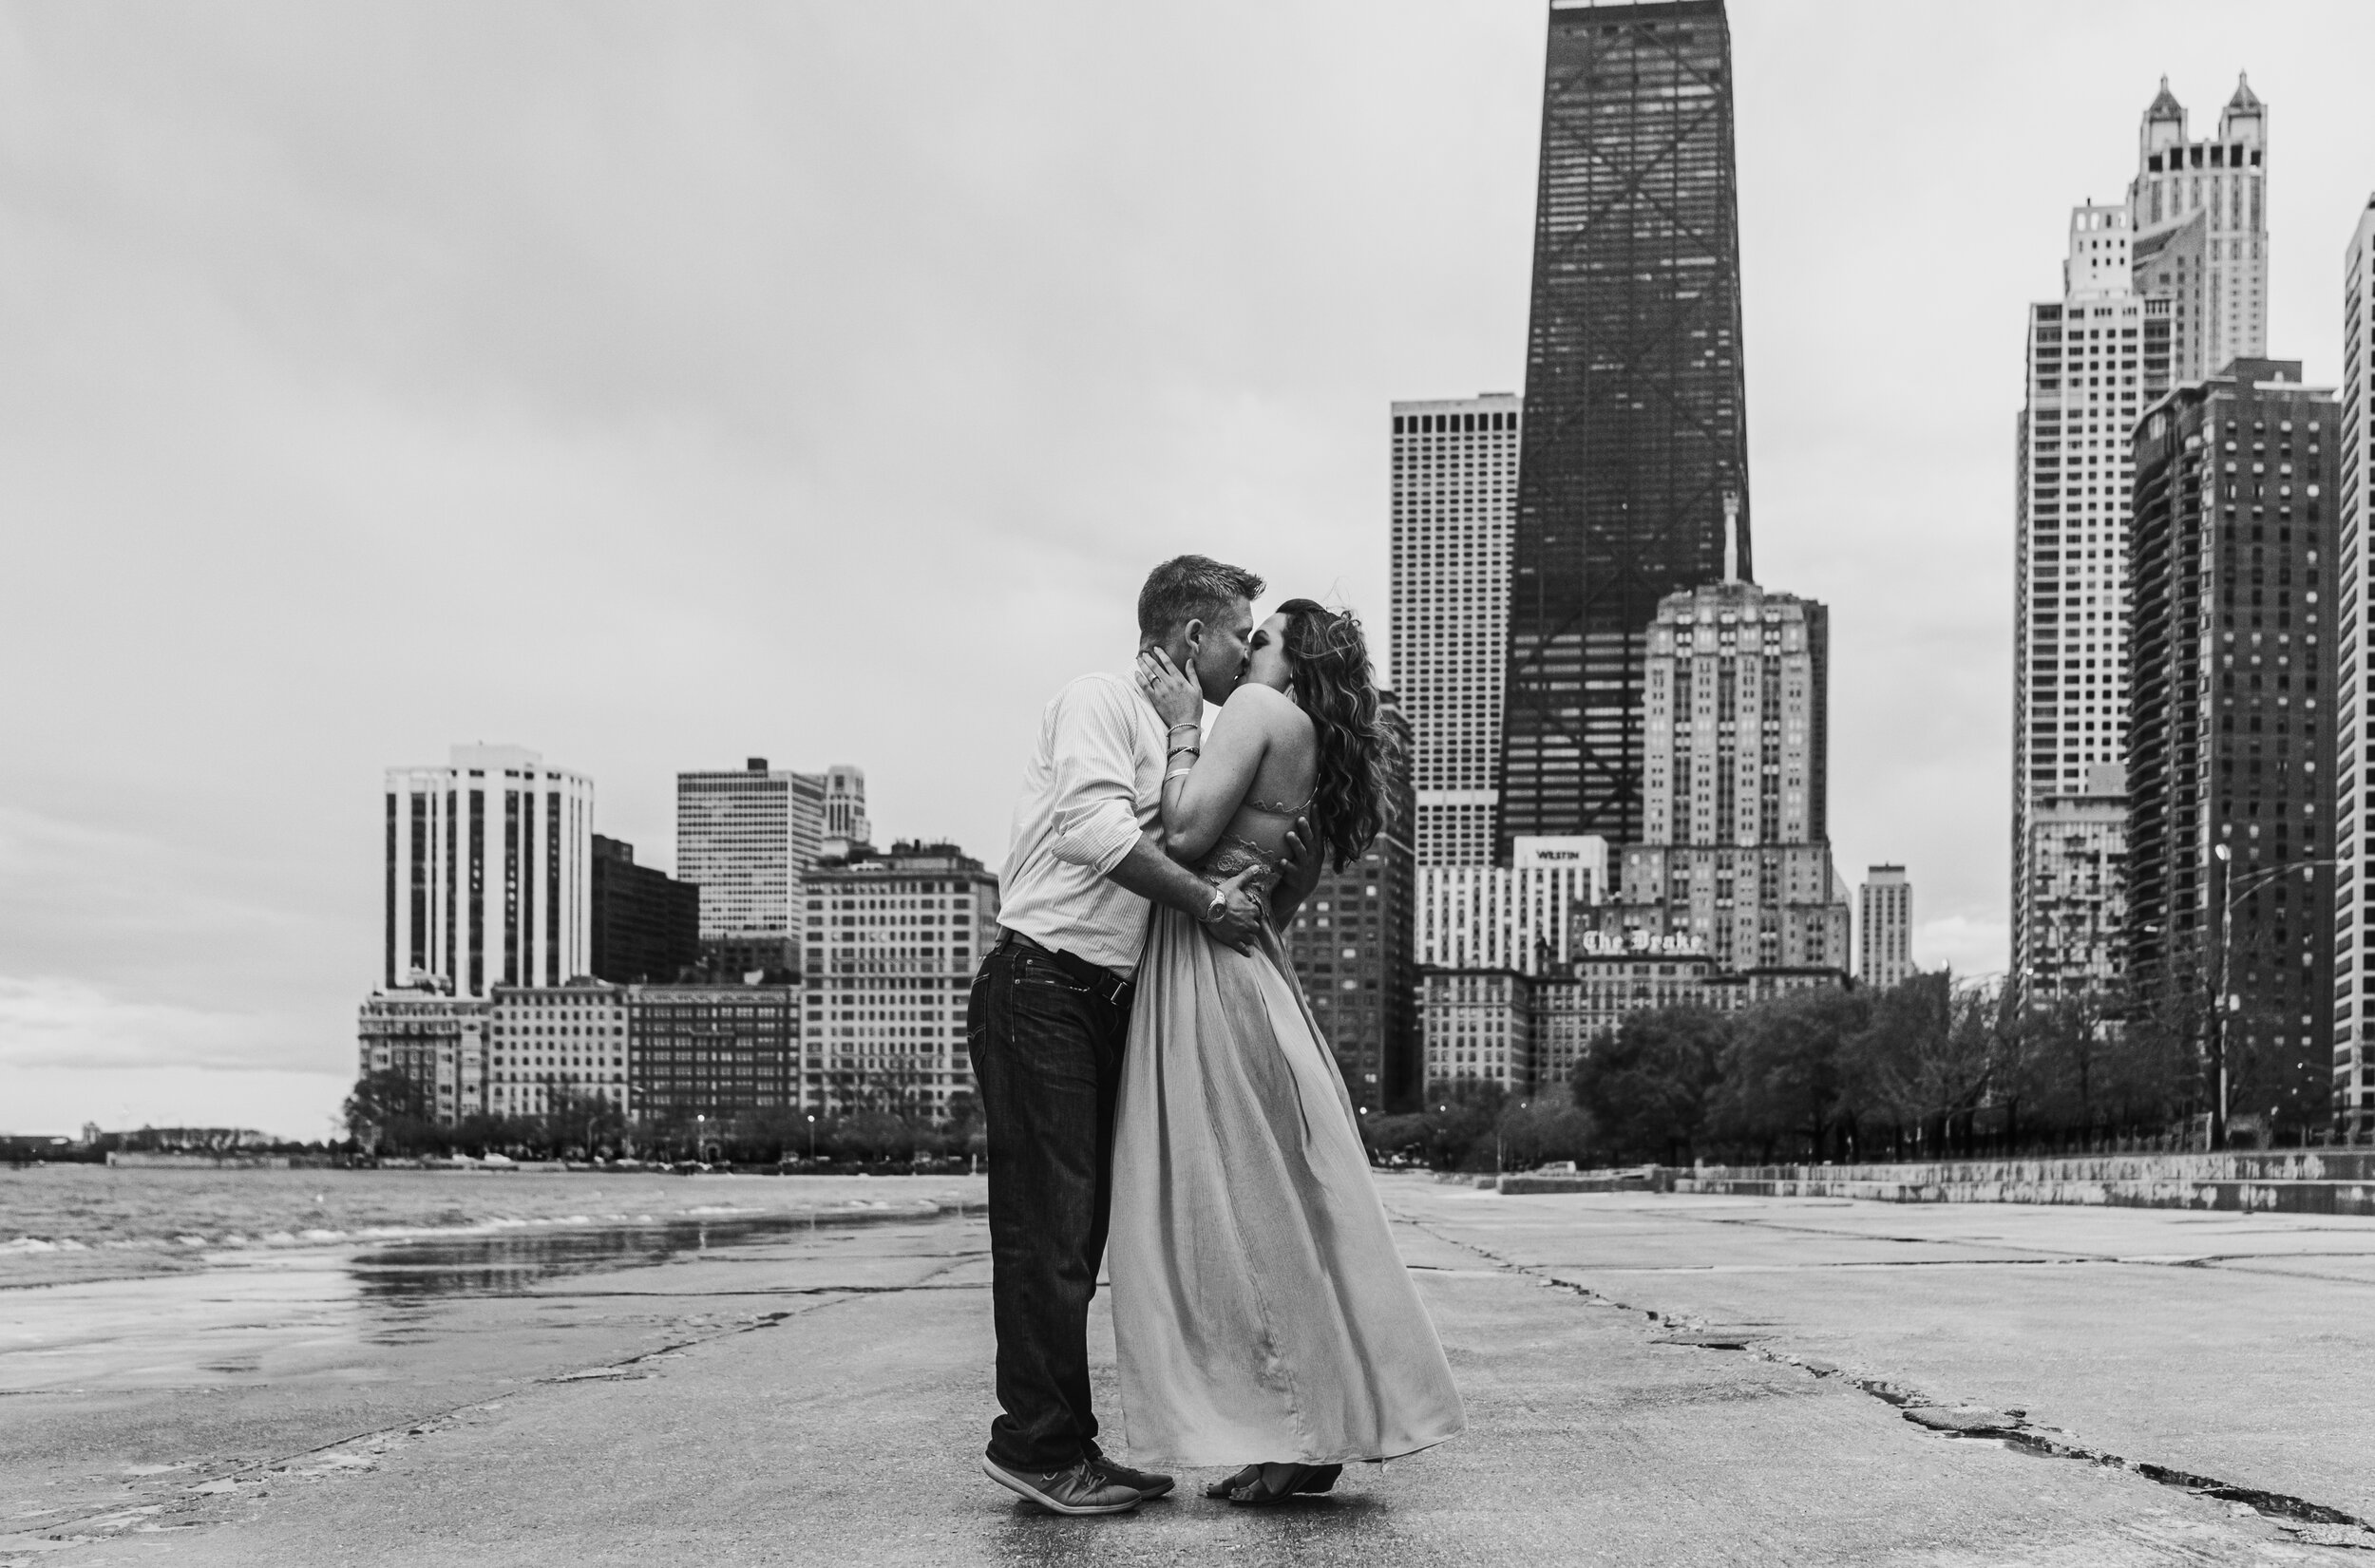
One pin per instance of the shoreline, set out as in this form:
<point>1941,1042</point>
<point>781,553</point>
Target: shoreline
<point>71,1244</point>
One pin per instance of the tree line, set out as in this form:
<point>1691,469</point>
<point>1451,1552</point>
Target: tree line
<point>1934,1068</point>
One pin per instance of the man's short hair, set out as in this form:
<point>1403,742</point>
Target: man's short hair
<point>1188,588</point>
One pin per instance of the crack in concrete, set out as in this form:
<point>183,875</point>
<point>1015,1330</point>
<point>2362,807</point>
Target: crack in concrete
<point>619,1369</point>
<point>2014,1431</point>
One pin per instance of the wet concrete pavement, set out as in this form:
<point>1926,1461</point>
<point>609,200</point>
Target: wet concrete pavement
<point>819,1397</point>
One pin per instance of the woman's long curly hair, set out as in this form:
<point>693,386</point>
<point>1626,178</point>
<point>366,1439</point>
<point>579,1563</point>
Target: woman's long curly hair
<point>1328,658</point>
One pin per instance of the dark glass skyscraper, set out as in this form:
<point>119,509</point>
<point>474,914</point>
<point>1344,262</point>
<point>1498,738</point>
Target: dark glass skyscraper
<point>1635,445</point>
<point>2231,725</point>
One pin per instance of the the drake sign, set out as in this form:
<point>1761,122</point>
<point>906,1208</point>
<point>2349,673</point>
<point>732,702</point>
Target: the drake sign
<point>1626,944</point>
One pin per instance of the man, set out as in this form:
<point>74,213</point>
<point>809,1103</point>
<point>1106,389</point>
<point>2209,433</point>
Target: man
<point>1050,1013</point>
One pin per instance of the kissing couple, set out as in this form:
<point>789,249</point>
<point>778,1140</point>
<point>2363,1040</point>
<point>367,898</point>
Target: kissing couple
<point>1148,1065</point>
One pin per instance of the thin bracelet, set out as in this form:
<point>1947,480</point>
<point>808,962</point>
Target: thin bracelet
<point>1177,728</point>
<point>1177,773</point>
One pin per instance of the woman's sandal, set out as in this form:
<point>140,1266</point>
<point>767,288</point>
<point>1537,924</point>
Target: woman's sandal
<point>1250,1488</point>
<point>1250,1475</point>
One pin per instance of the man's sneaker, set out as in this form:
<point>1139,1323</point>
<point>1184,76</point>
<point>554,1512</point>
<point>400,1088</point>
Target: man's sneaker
<point>1076,1490</point>
<point>1147,1484</point>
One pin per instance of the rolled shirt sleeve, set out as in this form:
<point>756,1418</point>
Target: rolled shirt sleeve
<point>1095,814</point>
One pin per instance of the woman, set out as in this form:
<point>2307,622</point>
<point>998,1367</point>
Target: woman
<point>1260,1312</point>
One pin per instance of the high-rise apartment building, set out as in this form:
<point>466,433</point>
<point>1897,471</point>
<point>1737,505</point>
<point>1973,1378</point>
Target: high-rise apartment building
<point>2095,358</point>
<point>486,876</point>
<point>1885,928</point>
<point>744,839</point>
<point>2233,745</point>
<point>548,1045</point>
<point>1520,916</point>
<point>2354,695</point>
<point>2163,290</point>
<point>1734,849</point>
<point>646,924</point>
<point>2199,214</point>
<point>1351,947</point>
<point>701,1055</point>
<point>1634,454</point>
<point>893,942</point>
<point>1455,507</point>
<point>1479,1027</point>
<point>2077,899</point>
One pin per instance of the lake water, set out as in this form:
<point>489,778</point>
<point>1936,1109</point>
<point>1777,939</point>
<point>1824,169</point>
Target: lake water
<point>61,1223</point>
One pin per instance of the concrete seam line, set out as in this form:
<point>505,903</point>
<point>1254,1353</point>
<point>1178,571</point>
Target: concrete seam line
<point>2045,1440</point>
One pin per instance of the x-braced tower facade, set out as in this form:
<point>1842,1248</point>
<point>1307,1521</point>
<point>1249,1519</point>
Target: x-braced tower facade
<point>1634,455</point>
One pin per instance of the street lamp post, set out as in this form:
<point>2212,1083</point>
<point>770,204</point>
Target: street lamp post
<point>811,1138</point>
<point>2226,1002</point>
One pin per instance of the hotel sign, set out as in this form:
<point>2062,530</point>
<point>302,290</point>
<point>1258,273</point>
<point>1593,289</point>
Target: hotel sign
<point>1627,944</point>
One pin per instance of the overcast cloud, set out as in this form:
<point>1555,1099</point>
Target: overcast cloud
<point>660,385</point>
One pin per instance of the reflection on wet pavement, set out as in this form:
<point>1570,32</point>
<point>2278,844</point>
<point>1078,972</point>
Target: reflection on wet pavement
<point>503,1264</point>
<point>258,1318</point>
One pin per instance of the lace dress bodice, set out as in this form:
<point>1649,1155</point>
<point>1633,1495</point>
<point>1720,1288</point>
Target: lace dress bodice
<point>1235,852</point>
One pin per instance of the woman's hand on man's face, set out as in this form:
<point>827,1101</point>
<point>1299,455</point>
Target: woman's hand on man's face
<point>1176,697</point>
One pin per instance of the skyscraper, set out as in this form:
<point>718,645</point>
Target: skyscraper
<point>1885,928</point>
<point>1735,851</point>
<point>2230,782</point>
<point>1454,505</point>
<point>485,879</point>
<point>2354,697</point>
<point>744,839</point>
<point>2163,290</point>
<point>2095,357</point>
<point>1635,441</point>
<point>2199,213</point>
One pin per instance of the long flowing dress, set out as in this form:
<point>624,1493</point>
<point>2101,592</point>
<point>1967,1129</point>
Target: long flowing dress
<point>1260,1312</point>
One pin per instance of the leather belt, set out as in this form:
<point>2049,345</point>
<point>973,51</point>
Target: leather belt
<point>1094,978</point>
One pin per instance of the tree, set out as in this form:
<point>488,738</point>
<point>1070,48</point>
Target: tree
<point>1452,1131</point>
<point>1780,1074</point>
<point>581,1119</point>
<point>1645,1084</point>
<point>387,1109</point>
<point>1536,1132</point>
<point>2064,1062</point>
<point>1932,1053</point>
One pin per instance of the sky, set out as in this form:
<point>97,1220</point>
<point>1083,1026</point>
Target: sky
<point>658,387</point>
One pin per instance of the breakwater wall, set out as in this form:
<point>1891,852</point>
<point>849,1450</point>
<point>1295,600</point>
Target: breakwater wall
<point>2336,1182</point>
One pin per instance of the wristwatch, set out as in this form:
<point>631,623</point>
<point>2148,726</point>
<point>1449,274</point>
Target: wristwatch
<point>1216,909</point>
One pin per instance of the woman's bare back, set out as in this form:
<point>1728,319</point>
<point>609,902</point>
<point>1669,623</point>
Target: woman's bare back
<point>1282,786</point>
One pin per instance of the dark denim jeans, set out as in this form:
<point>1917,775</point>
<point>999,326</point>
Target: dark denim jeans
<point>1047,1055</point>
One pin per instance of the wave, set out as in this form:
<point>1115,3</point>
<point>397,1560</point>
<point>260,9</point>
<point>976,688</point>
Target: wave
<point>188,1242</point>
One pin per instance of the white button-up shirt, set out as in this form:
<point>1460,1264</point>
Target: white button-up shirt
<point>1093,783</point>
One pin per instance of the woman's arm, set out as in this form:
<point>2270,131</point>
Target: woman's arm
<point>1202,792</point>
